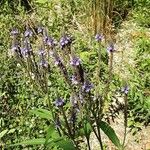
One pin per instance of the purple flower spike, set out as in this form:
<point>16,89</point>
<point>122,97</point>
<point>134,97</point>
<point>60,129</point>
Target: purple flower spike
<point>125,89</point>
<point>59,102</point>
<point>75,61</point>
<point>43,63</point>
<point>51,42</point>
<point>57,61</point>
<point>14,32</point>
<point>87,86</point>
<point>42,52</point>
<point>27,49</point>
<point>28,33</point>
<point>98,37</point>
<point>65,41</point>
<point>110,48</point>
<point>45,38</point>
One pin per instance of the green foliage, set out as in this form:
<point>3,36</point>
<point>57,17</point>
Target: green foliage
<point>31,142</point>
<point>42,113</point>
<point>108,130</point>
<point>18,96</point>
<point>141,12</point>
<point>139,100</point>
<point>3,133</point>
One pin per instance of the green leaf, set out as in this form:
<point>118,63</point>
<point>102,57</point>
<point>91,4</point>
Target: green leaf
<point>11,131</point>
<point>51,133</point>
<point>87,129</point>
<point>3,133</point>
<point>109,131</point>
<point>31,142</point>
<point>42,113</point>
<point>41,1</point>
<point>66,144</point>
<point>2,94</point>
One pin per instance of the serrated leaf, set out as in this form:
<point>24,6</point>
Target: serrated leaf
<point>42,113</point>
<point>109,131</point>
<point>3,133</point>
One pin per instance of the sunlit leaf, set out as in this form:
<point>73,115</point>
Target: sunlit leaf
<point>38,141</point>
<point>51,134</point>
<point>42,113</point>
<point>109,131</point>
<point>3,133</point>
<point>41,1</point>
<point>66,144</point>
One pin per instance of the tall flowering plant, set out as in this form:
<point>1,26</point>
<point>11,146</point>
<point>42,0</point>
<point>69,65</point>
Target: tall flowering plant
<point>82,111</point>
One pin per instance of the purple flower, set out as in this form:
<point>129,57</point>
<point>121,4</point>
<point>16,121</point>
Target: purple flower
<point>45,38</point>
<point>57,61</point>
<point>42,52</point>
<point>59,102</point>
<point>28,33</point>
<point>110,48</point>
<point>75,61</point>
<point>40,30</point>
<point>14,31</point>
<point>26,50</point>
<point>125,89</point>
<point>87,86</point>
<point>98,37</point>
<point>43,63</point>
<point>50,42</point>
<point>65,41</point>
<point>74,80</point>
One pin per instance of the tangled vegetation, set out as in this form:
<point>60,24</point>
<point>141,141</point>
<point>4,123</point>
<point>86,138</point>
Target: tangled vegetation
<point>58,83</point>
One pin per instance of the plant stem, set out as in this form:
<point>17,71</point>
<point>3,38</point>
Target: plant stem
<point>100,139</point>
<point>67,124</point>
<point>88,143</point>
<point>125,118</point>
<point>106,90</point>
<point>68,128</point>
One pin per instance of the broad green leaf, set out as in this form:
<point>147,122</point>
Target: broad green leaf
<point>51,133</point>
<point>109,131</point>
<point>3,133</point>
<point>42,113</point>
<point>31,142</point>
<point>87,129</point>
<point>66,144</point>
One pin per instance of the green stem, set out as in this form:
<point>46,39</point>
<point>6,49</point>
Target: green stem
<point>88,143</point>
<point>68,128</point>
<point>125,118</point>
